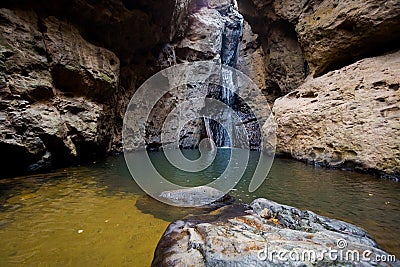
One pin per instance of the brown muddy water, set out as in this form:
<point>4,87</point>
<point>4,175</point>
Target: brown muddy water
<point>96,215</point>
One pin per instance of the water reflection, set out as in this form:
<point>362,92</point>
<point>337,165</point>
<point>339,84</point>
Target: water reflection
<point>40,215</point>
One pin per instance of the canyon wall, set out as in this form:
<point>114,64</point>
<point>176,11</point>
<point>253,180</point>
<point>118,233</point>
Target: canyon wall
<point>69,68</point>
<point>345,114</point>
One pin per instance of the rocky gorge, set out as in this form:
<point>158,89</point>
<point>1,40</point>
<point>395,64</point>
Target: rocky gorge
<point>328,68</point>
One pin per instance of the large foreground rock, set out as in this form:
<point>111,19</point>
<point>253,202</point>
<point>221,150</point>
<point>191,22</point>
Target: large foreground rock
<point>253,235</point>
<point>347,118</point>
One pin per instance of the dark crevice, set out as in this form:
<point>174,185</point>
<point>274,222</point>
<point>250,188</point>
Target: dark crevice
<point>377,43</point>
<point>43,29</point>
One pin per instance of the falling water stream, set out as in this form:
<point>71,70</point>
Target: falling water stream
<point>97,215</point>
<point>231,40</point>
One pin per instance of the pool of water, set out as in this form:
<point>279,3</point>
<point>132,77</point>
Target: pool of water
<point>96,214</point>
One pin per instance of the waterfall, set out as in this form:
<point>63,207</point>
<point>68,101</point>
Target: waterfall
<point>230,48</point>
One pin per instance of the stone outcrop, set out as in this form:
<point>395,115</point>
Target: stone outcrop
<point>313,38</point>
<point>252,58</point>
<point>286,66</point>
<point>54,87</point>
<point>24,66</point>
<point>254,235</point>
<point>336,33</point>
<point>68,70</point>
<point>78,67</point>
<point>348,118</point>
<point>332,34</point>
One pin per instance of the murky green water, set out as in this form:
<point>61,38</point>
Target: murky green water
<point>96,215</point>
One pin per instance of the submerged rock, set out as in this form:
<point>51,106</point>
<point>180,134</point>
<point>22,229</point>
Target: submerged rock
<point>163,211</point>
<point>265,234</point>
<point>197,196</point>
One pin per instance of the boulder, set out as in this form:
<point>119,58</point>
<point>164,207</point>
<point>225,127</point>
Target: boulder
<point>348,118</point>
<point>200,196</point>
<point>265,234</point>
<point>149,205</point>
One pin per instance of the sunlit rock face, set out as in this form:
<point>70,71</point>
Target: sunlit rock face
<point>319,39</point>
<point>347,118</point>
<point>333,34</point>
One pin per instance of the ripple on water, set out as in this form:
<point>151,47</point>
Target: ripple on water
<point>77,223</point>
<point>97,215</point>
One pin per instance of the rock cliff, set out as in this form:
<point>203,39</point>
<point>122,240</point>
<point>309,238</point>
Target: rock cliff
<point>54,90</point>
<point>69,68</point>
<point>331,34</point>
<point>345,114</point>
<point>346,118</point>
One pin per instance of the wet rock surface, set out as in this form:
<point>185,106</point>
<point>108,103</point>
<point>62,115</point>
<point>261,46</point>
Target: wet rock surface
<point>215,31</point>
<point>197,196</point>
<point>247,235</point>
<point>163,211</point>
<point>349,118</point>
